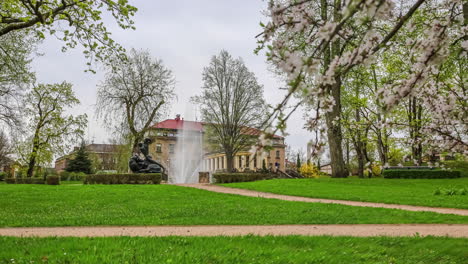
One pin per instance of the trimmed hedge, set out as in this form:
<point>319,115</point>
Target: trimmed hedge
<point>420,174</point>
<point>241,177</point>
<point>133,178</point>
<point>24,180</point>
<point>53,180</point>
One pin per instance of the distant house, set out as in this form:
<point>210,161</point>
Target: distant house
<point>164,135</point>
<point>106,154</point>
<point>10,166</point>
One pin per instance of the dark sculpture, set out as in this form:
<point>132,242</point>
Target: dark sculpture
<point>147,165</point>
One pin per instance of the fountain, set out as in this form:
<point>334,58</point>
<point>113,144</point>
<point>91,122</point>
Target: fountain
<point>188,156</point>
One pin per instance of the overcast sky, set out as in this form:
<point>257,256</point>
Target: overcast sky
<point>184,34</point>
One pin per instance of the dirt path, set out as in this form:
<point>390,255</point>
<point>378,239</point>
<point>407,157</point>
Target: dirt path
<point>244,192</point>
<point>307,230</point>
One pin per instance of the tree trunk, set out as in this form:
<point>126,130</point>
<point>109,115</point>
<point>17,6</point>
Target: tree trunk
<point>229,162</point>
<point>334,133</point>
<point>35,149</point>
<point>333,118</point>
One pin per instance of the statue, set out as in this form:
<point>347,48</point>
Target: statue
<point>147,165</point>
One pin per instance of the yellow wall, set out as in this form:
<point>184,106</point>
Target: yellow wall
<point>210,162</point>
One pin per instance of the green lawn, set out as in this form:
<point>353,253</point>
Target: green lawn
<point>397,191</point>
<point>87,205</point>
<point>250,249</point>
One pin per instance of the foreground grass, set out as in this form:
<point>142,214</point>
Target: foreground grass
<point>250,249</point>
<point>89,205</point>
<point>397,191</point>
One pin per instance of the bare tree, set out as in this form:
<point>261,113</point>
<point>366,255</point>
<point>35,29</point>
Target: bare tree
<point>134,94</point>
<point>232,103</point>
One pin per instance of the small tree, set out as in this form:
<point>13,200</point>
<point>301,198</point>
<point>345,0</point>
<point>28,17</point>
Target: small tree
<point>81,162</point>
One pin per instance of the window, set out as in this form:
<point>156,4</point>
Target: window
<point>217,161</point>
<point>171,148</point>
<point>277,154</point>
<point>158,148</point>
<point>222,162</point>
<point>240,162</point>
<point>247,161</point>
<point>255,161</point>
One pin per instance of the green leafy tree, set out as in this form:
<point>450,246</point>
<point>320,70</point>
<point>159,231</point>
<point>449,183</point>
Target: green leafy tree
<point>15,74</point>
<point>49,129</point>
<point>72,21</point>
<point>81,162</point>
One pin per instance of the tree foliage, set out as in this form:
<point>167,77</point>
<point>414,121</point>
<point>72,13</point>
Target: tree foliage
<point>15,74</point>
<point>72,21</point>
<point>50,130</point>
<point>407,53</point>
<point>5,149</point>
<point>231,104</point>
<point>81,162</point>
<point>135,93</point>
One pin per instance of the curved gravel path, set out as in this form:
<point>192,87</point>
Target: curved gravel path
<point>244,192</point>
<point>279,230</point>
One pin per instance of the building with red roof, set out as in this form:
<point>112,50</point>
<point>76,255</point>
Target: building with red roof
<point>164,137</point>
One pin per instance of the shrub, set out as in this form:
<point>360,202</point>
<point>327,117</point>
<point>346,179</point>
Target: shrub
<point>53,180</point>
<point>420,174</point>
<point>308,170</point>
<point>72,176</point>
<point>130,178</point>
<point>460,165</point>
<point>376,170</point>
<point>3,175</point>
<point>24,180</point>
<point>10,180</point>
<point>240,177</point>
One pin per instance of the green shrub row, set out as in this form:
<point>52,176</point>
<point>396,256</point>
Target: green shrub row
<point>72,176</point>
<point>134,178</point>
<point>241,177</point>
<point>51,180</point>
<point>420,174</point>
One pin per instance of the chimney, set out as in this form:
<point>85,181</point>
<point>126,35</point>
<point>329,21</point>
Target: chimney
<point>177,118</point>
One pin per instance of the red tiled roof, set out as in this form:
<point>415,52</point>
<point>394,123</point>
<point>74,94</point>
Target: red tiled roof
<point>180,124</point>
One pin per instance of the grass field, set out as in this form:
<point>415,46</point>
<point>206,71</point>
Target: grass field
<point>88,205</point>
<point>397,191</point>
<point>250,249</point>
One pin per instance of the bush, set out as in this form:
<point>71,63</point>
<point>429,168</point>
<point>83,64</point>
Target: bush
<point>134,178</point>
<point>24,180</point>
<point>420,174</point>
<point>240,177</point>
<point>308,170</point>
<point>53,180</point>
<point>3,175</point>
<point>72,176</point>
<point>10,180</point>
<point>460,165</point>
